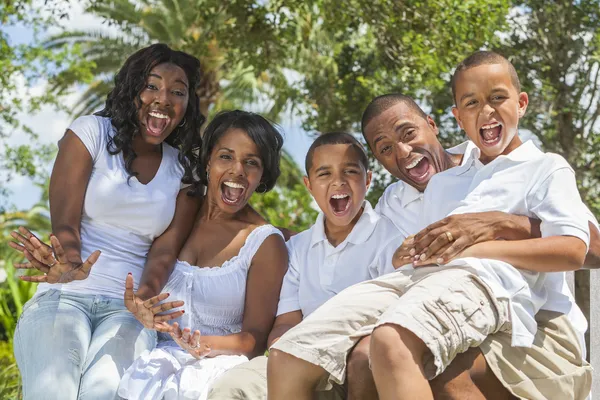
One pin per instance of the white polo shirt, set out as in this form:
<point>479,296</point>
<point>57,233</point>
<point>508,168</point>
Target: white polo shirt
<point>526,182</point>
<point>403,204</point>
<point>318,271</point>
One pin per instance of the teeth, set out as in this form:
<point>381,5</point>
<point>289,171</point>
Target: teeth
<point>233,185</point>
<point>490,126</point>
<point>414,162</point>
<point>158,115</point>
<point>339,196</point>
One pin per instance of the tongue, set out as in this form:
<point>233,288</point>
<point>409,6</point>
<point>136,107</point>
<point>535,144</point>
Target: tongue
<point>339,205</point>
<point>156,125</point>
<point>420,169</point>
<point>232,194</point>
<point>491,134</point>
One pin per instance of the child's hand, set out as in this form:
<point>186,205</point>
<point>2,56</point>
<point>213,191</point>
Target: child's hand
<point>402,255</point>
<point>145,311</point>
<point>190,343</point>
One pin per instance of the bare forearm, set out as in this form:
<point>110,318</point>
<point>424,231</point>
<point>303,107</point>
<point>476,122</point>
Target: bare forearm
<point>156,273</point>
<point>70,240</point>
<point>550,254</point>
<point>592,259</point>
<point>243,343</point>
<point>517,227</point>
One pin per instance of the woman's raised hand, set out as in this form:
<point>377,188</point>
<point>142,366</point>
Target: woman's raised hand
<point>50,260</point>
<point>192,343</point>
<point>146,311</point>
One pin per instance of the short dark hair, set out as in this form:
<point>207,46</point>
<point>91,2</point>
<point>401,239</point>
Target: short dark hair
<point>484,58</point>
<point>381,103</point>
<point>336,138</point>
<point>262,132</point>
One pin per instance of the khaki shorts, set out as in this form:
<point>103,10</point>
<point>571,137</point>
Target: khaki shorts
<point>553,368</point>
<point>450,309</point>
<point>248,381</point>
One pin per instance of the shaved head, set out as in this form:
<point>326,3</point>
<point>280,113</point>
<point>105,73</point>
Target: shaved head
<point>382,103</point>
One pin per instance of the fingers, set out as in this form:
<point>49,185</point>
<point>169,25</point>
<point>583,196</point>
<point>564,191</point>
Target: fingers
<point>434,248</point>
<point>163,327</point>
<point>43,249</point>
<point>23,266</point>
<point>176,331</point>
<point>25,243</point>
<point>168,317</point>
<point>36,264</point>
<point>156,299</point>
<point>34,278</point>
<point>453,251</point>
<point>129,296</point>
<point>59,252</point>
<point>166,306</point>
<point>429,261</point>
<point>91,260</point>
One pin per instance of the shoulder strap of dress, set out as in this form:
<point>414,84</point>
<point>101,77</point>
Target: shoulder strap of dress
<point>255,239</point>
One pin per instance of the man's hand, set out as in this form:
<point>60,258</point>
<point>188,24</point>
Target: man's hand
<point>444,240</point>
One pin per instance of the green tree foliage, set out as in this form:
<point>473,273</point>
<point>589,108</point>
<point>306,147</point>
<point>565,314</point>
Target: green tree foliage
<point>24,66</point>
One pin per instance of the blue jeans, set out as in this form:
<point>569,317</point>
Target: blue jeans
<point>75,346</point>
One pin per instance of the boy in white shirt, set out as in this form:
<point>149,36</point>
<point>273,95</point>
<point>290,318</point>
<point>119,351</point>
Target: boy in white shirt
<point>439,312</point>
<point>349,243</point>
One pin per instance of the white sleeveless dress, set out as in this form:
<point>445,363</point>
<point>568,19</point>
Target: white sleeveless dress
<point>214,304</point>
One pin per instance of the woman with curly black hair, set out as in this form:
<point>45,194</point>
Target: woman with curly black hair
<point>120,199</point>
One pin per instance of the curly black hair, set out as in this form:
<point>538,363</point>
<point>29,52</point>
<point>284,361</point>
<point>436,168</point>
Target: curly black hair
<point>123,102</point>
<point>267,138</point>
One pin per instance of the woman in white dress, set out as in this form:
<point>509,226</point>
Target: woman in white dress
<point>228,274</point>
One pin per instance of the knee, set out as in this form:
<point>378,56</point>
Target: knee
<point>394,345</point>
<point>358,360</point>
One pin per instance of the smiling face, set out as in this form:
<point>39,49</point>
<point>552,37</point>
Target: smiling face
<point>488,108</point>
<point>406,144</point>
<point>338,182</point>
<point>234,169</point>
<point>164,102</point>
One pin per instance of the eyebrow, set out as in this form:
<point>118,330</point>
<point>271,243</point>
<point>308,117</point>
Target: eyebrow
<point>464,96</point>
<point>227,149</point>
<point>176,80</point>
<point>322,168</point>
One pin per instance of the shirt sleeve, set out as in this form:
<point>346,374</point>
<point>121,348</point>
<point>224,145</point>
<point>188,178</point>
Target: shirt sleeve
<point>383,263</point>
<point>89,130</point>
<point>557,203</point>
<point>289,298</point>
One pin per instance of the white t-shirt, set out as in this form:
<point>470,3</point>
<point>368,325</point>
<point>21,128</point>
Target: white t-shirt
<point>318,271</point>
<point>120,218</point>
<point>526,182</point>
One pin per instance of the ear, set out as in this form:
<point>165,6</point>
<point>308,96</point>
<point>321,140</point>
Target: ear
<point>523,103</point>
<point>307,183</point>
<point>456,114</point>
<point>369,177</point>
<point>432,125</point>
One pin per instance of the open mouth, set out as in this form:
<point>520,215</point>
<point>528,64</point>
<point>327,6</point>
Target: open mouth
<point>491,134</point>
<point>232,193</point>
<point>156,123</point>
<point>340,204</point>
<point>419,168</point>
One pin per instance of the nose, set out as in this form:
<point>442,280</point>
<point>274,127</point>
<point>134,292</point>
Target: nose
<point>404,149</point>
<point>238,169</point>
<point>163,97</point>
<point>339,180</point>
<point>487,110</point>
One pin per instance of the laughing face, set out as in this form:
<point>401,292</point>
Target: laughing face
<point>338,182</point>
<point>164,102</point>
<point>234,169</point>
<point>406,144</point>
<point>488,108</point>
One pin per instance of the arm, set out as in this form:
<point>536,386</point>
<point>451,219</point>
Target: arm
<point>68,183</point>
<point>165,248</point>
<point>263,286</point>
<point>284,323</point>
<point>592,259</point>
<point>549,254</point>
